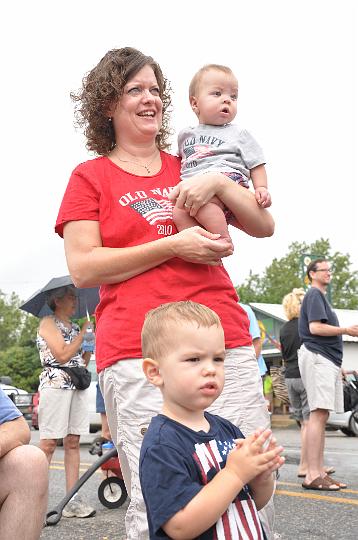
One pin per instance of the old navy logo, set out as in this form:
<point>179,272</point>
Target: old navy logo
<point>204,139</point>
<point>130,198</point>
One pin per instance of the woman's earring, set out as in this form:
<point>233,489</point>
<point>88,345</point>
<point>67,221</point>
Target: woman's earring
<point>109,119</point>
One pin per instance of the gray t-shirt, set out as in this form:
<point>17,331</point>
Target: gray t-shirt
<point>315,307</point>
<point>227,149</point>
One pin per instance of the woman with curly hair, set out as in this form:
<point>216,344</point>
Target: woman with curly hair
<point>116,220</point>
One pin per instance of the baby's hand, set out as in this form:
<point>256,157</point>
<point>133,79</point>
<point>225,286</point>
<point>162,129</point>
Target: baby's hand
<point>263,197</point>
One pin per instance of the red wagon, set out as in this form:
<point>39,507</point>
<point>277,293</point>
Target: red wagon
<point>112,491</point>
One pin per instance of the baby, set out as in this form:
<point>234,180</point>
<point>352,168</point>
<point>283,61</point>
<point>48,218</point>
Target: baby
<point>216,145</point>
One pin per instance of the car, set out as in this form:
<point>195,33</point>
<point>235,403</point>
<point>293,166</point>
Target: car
<point>94,417</point>
<point>21,398</point>
<point>347,422</point>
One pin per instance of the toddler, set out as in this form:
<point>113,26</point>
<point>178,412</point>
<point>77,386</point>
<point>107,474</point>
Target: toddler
<point>200,478</point>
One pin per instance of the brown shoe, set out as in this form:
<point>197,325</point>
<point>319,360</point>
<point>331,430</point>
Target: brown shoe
<point>342,485</point>
<point>322,484</point>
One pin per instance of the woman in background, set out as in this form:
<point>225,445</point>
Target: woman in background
<point>63,410</point>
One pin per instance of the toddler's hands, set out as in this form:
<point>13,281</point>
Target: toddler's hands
<point>250,459</point>
<point>275,463</point>
<point>263,197</point>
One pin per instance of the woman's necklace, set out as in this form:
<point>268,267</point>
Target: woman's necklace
<point>144,165</point>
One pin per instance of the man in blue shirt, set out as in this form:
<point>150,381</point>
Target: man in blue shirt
<point>23,474</point>
<point>320,359</point>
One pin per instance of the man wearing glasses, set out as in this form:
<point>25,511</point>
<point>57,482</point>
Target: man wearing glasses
<point>320,360</point>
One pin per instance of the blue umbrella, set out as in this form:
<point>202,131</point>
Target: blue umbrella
<point>87,299</point>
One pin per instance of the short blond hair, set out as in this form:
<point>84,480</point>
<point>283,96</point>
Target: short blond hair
<point>292,303</point>
<point>195,82</point>
<point>157,323</point>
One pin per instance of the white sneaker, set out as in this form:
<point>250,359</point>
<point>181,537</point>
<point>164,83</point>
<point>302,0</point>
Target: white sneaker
<point>77,508</point>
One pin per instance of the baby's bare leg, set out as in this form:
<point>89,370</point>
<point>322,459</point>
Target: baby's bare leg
<point>183,220</point>
<point>212,217</point>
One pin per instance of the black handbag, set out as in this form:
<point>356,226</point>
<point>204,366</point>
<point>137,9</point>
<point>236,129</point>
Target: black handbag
<point>80,376</point>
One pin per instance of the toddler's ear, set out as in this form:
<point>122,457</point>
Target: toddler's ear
<point>151,371</point>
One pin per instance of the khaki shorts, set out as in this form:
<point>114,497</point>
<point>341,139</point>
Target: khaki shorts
<point>63,412</point>
<point>322,380</point>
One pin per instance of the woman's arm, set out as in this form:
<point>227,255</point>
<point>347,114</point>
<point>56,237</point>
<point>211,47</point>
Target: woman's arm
<point>91,264</point>
<point>198,190</point>
<point>86,357</point>
<point>62,351</point>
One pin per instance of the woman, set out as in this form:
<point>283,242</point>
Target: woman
<point>117,224</point>
<point>290,343</point>
<point>63,410</point>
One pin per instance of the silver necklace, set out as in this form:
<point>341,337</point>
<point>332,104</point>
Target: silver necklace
<point>144,165</point>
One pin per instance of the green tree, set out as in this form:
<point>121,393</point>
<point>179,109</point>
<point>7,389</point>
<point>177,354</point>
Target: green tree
<point>28,331</point>
<point>284,274</point>
<point>22,364</point>
<point>11,320</point>
<point>19,357</point>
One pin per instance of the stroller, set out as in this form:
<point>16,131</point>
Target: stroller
<point>350,396</point>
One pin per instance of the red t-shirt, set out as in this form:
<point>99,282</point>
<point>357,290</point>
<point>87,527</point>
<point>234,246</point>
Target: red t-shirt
<point>134,210</point>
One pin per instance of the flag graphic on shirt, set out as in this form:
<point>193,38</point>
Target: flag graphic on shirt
<point>154,210</point>
<point>189,151</point>
<point>198,151</point>
<point>240,521</point>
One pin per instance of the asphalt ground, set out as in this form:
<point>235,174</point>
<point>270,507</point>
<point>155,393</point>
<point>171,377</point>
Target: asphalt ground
<point>300,514</point>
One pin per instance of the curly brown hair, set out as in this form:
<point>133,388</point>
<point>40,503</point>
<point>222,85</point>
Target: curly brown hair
<point>103,86</point>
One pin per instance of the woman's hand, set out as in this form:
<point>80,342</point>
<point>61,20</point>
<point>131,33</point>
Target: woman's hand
<point>194,192</point>
<point>199,246</point>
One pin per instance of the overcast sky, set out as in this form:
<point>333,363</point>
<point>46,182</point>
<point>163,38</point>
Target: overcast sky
<point>296,63</point>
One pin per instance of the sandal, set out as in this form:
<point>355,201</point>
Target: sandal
<point>322,484</point>
<point>342,485</point>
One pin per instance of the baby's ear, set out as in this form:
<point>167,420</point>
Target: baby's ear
<point>151,371</point>
<point>194,104</point>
